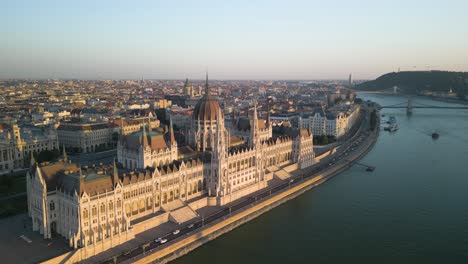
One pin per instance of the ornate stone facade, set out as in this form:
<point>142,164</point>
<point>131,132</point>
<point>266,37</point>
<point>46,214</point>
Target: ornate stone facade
<point>89,205</point>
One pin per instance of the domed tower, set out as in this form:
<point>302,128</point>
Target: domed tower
<point>205,118</point>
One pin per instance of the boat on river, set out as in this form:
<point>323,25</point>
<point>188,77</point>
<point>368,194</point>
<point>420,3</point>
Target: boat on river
<point>392,128</point>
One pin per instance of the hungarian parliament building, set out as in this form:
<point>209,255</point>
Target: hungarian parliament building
<point>152,181</point>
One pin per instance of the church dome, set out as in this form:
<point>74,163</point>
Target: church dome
<point>207,108</point>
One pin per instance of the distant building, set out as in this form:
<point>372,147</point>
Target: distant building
<point>331,123</point>
<point>180,116</point>
<point>86,137</point>
<point>91,137</point>
<point>17,145</point>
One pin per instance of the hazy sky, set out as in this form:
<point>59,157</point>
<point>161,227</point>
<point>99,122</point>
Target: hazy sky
<point>242,39</point>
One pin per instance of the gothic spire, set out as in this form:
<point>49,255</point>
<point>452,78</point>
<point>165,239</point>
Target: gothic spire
<point>254,127</point>
<point>144,140</point>
<point>64,153</point>
<point>81,186</point>
<point>149,123</point>
<point>171,131</point>
<point>33,160</point>
<point>255,110</point>
<point>268,116</point>
<point>115,175</point>
<point>207,88</point>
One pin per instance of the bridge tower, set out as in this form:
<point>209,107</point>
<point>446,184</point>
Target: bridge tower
<point>409,109</point>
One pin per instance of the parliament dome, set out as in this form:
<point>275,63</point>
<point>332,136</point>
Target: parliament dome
<point>207,108</point>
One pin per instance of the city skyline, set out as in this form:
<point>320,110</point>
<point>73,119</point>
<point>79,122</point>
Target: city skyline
<point>297,40</point>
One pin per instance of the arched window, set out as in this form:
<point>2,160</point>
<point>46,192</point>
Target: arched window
<point>52,206</point>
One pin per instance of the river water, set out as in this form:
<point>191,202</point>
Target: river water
<point>412,209</point>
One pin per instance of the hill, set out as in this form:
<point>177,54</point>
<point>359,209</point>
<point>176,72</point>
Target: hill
<point>421,82</point>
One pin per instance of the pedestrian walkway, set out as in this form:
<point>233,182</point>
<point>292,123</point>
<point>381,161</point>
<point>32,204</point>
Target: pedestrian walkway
<point>182,215</point>
<point>179,212</point>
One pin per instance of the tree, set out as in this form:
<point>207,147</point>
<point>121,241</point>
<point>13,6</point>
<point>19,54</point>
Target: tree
<point>48,155</point>
<point>324,140</point>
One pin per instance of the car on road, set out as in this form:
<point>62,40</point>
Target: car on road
<point>163,241</point>
<point>158,240</point>
<point>176,232</point>
<point>291,181</point>
<point>190,226</point>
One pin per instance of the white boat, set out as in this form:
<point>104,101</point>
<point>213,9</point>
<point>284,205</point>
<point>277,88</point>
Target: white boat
<point>392,128</point>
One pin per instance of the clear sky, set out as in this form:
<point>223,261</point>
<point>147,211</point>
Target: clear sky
<point>242,39</point>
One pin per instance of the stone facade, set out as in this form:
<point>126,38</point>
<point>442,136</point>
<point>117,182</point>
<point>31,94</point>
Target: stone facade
<point>331,123</point>
<point>85,137</point>
<point>16,146</point>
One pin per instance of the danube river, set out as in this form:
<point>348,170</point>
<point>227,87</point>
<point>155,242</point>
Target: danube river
<point>412,209</point>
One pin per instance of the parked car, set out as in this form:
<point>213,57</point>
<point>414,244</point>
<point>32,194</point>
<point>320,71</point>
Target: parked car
<point>176,232</point>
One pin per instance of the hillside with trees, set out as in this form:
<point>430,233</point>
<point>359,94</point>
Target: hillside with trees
<point>421,82</point>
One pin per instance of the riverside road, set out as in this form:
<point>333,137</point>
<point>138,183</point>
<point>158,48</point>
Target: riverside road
<point>358,142</point>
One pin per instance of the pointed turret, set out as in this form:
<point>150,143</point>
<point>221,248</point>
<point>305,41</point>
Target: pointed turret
<point>268,116</point>
<point>33,160</point>
<point>64,153</point>
<point>121,136</point>
<point>171,132</point>
<point>144,140</point>
<point>219,139</point>
<point>115,174</point>
<point>254,128</point>
<point>149,124</point>
<point>234,120</point>
<point>82,184</point>
<point>207,88</point>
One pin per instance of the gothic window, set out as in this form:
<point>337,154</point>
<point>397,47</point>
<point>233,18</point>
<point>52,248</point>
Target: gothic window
<point>148,203</point>
<point>94,211</point>
<point>52,206</point>
<point>103,208</point>
<point>85,213</point>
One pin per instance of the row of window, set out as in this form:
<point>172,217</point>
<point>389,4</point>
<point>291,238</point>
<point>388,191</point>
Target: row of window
<point>94,209</point>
